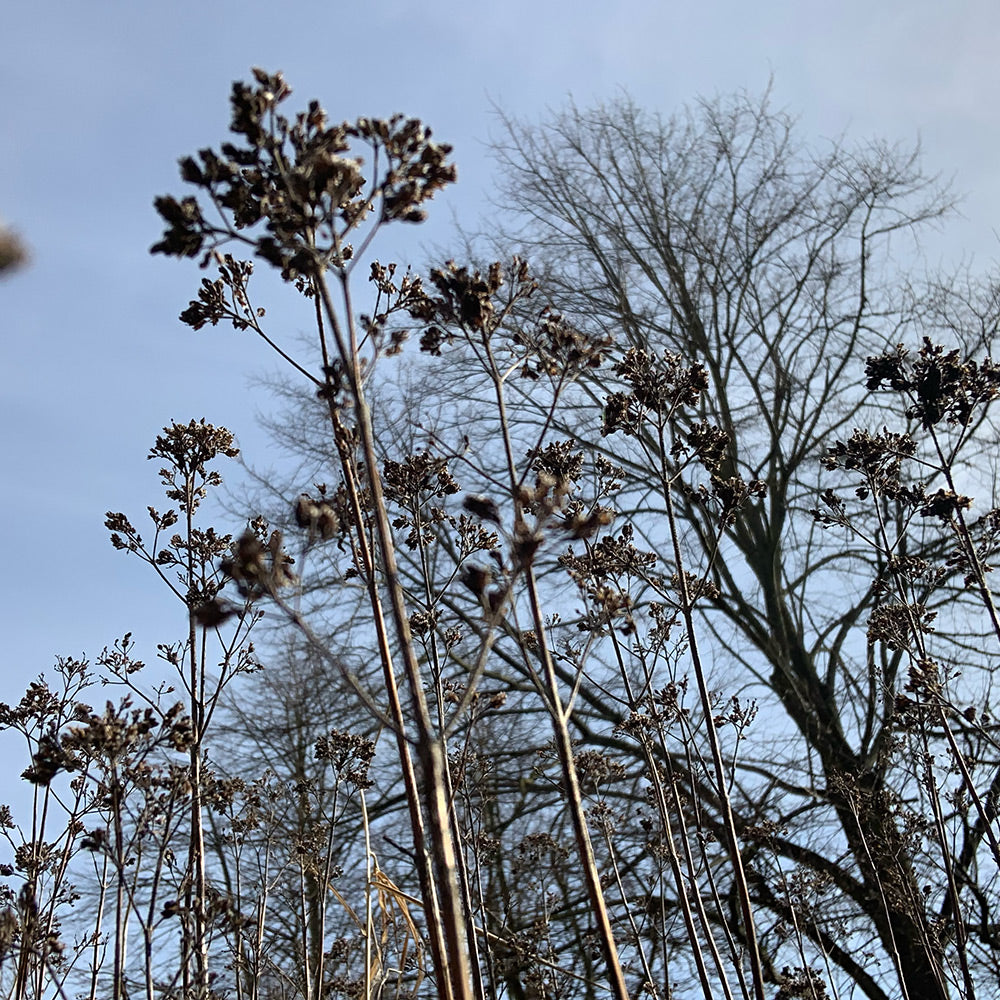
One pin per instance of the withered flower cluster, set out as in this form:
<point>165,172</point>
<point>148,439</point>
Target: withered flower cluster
<point>302,180</point>
<point>318,516</point>
<point>349,754</point>
<point>488,309</point>
<point>13,253</point>
<point>658,386</point>
<point>938,384</point>
<point>188,448</point>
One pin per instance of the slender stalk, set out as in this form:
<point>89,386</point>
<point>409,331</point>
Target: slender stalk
<point>729,825</point>
<point>558,714</point>
<point>196,835</point>
<point>446,912</point>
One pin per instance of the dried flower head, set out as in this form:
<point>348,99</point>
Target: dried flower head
<point>302,181</point>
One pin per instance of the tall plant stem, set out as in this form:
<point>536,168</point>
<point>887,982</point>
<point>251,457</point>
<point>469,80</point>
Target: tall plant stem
<point>196,841</point>
<point>443,899</point>
<point>732,841</point>
<point>559,717</point>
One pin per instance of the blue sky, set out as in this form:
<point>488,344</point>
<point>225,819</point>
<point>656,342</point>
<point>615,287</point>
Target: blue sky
<point>103,97</point>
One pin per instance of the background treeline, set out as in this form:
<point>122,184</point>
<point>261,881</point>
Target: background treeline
<point>625,627</point>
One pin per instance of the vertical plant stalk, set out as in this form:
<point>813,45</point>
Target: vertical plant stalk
<point>636,933</point>
<point>462,867</point>
<point>196,837</point>
<point>732,840</point>
<point>121,898</point>
<point>961,528</point>
<point>369,881</point>
<point>574,798</point>
<point>443,900</point>
<point>939,710</point>
<point>558,714</point>
<point>95,948</point>
<point>656,776</point>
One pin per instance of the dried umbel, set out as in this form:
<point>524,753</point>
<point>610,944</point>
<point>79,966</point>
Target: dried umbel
<point>558,466</point>
<point>938,384</point>
<point>417,478</point>
<point>188,448</point>
<point>349,754</point>
<point>302,181</point>
<point>465,297</point>
<point>660,387</point>
<point>482,507</point>
<point>555,347</point>
<point>489,308</point>
<point>877,457</point>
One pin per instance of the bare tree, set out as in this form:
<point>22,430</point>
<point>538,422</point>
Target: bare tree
<point>639,635</point>
<point>717,238</point>
<point>716,235</point>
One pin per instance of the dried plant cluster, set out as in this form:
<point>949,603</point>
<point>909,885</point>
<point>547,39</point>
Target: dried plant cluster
<point>635,646</point>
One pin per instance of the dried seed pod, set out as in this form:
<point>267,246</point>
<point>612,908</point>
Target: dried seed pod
<point>495,599</point>
<point>526,543</point>
<point>588,526</point>
<point>476,579</point>
<point>482,507</point>
<point>213,612</point>
<point>327,523</point>
<point>306,511</point>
